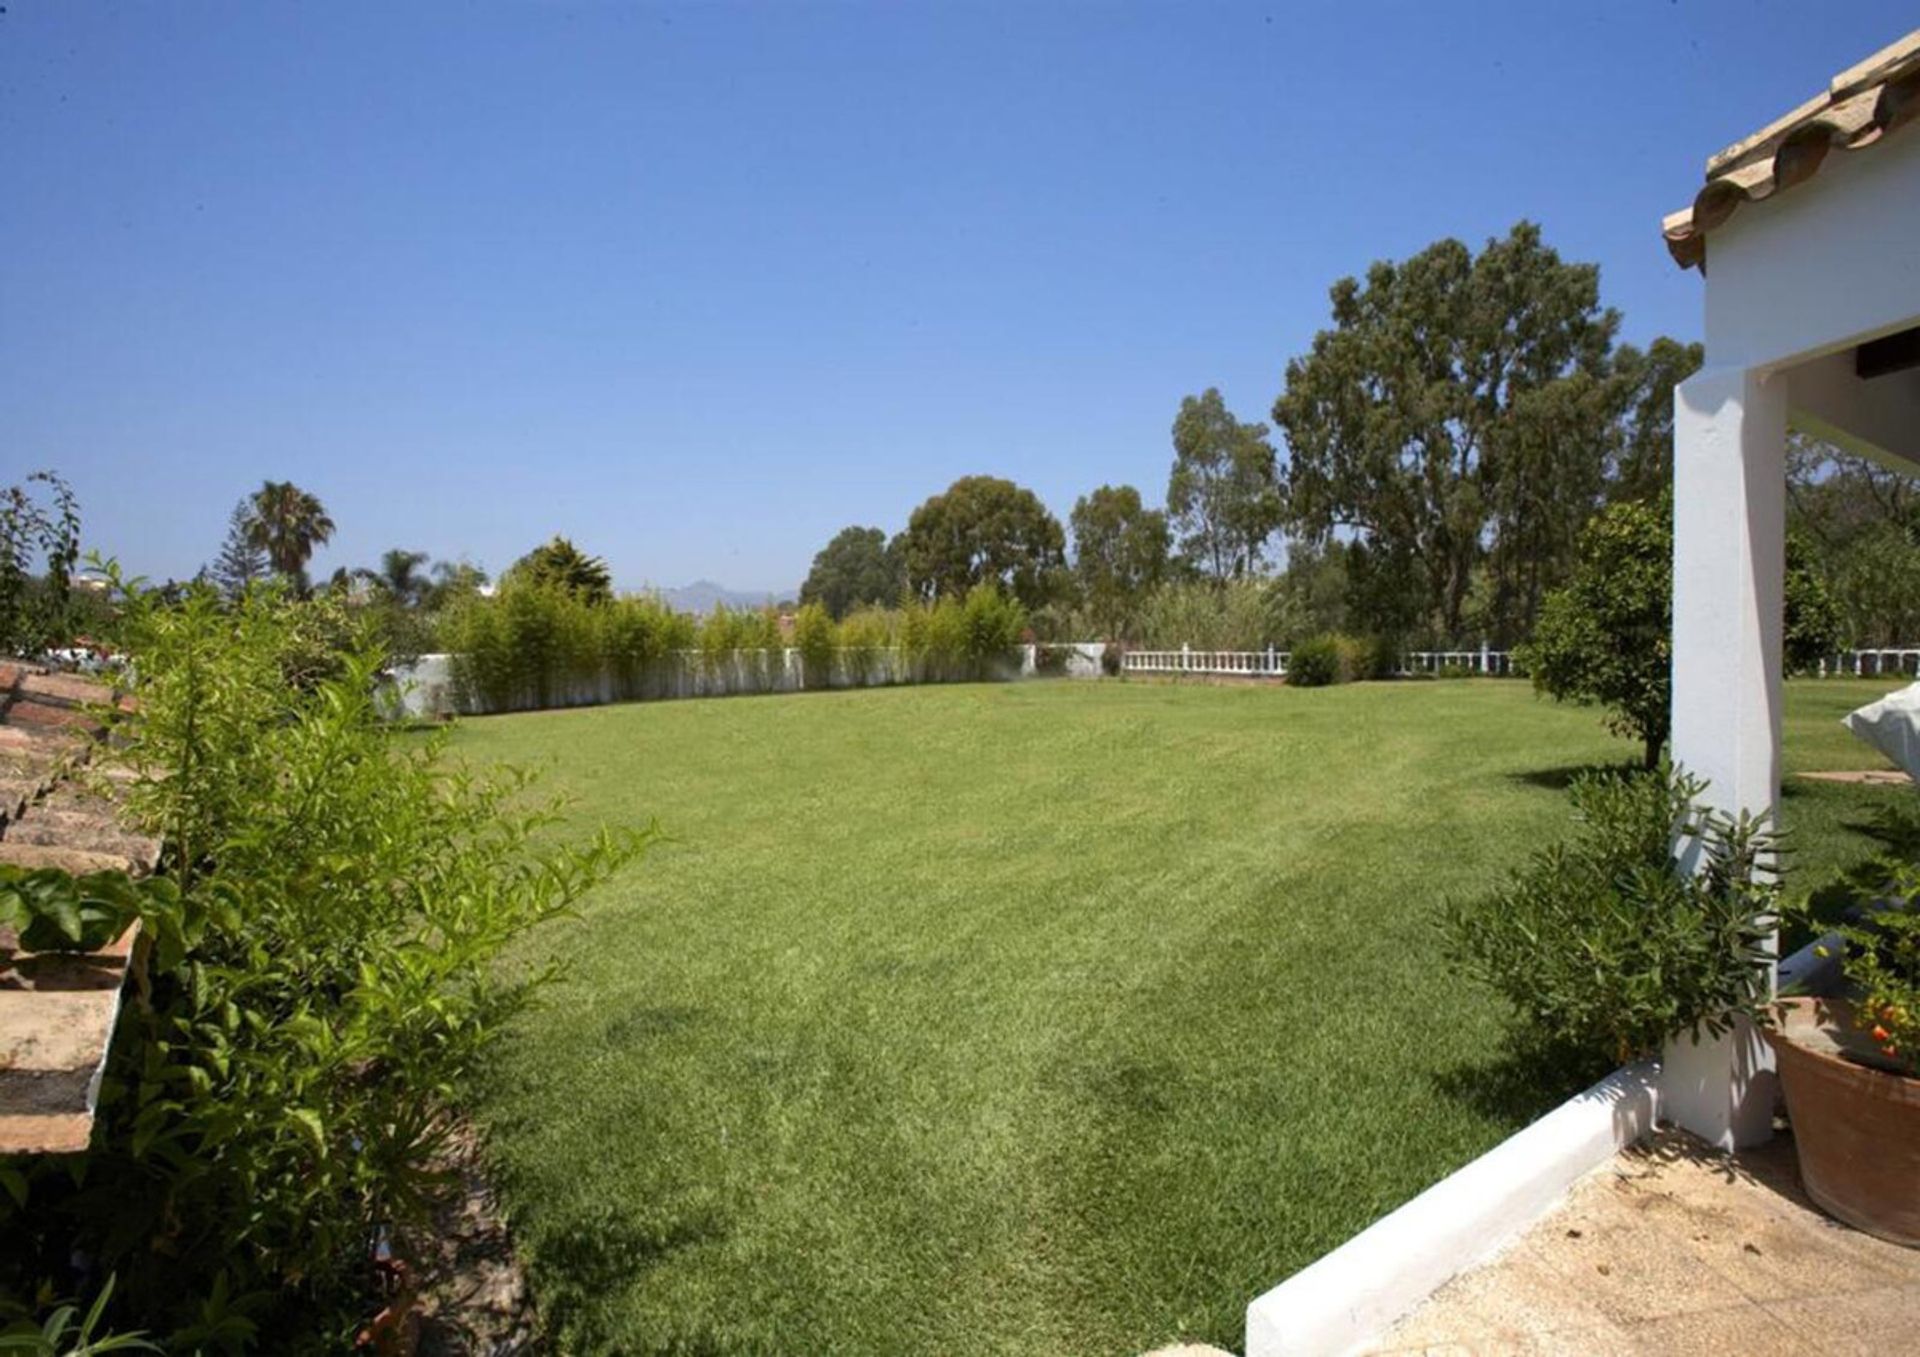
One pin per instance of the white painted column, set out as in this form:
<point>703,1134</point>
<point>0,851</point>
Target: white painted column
<point>1729,483</point>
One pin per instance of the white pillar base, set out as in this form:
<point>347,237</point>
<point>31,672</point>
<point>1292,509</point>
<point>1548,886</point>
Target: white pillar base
<point>1722,1089</point>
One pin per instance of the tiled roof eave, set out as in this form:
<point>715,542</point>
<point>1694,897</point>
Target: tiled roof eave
<point>1860,109</point>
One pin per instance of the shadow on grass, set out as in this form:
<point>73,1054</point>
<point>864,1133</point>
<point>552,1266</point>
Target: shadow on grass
<point>657,1021</point>
<point>1523,1080</point>
<point>1561,778</point>
<point>582,1265</point>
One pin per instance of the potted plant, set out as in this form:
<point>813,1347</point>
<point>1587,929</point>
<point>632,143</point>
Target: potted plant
<point>1849,1064</point>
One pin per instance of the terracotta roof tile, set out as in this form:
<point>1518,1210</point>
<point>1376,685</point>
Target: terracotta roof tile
<point>57,1011</point>
<point>1859,108</point>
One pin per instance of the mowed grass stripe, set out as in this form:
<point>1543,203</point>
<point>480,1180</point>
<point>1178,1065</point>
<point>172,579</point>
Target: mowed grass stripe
<point>1033,1018</point>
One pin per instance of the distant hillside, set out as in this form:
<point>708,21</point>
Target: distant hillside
<point>702,596</point>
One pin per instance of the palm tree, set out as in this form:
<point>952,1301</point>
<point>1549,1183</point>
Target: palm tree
<point>399,576</point>
<point>288,523</point>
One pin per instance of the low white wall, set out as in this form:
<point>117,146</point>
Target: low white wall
<point>1361,1289</point>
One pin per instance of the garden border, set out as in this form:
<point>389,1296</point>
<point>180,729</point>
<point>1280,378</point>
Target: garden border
<point>1375,1279</point>
<point>1354,1294</point>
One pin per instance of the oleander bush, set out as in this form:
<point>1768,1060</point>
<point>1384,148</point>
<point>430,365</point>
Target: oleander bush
<point>317,981</point>
<point>1603,945</point>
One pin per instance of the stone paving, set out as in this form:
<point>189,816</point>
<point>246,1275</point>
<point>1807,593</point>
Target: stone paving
<point>1674,1249</point>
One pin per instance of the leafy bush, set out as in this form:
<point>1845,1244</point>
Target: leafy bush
<point>1883,963</point>
<point>1245,614</point>
<point>1316,662</point>
<point>1366,657</point>
<point>53,911</point>
<point>864,639</point>
<point>538,645</point>
<point>814,636</point>
<point>36,614</point>
<point>992,623</point>
<point>1813,622</point>
<point>1603,945</point>
<point>1606,637</point>
<point>66,1332</point>
<point>320,981</point>
<point>1113,659</point>
<point>1880,937</point>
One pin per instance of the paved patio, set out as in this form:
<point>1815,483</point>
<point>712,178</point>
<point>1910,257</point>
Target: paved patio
<point>1675,1249</point>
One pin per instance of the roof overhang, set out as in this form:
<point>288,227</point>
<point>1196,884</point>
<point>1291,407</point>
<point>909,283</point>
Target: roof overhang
<point>1860,107</point>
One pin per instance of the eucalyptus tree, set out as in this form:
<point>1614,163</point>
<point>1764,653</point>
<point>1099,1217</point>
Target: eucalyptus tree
<point>1460,419</point>
<point>1120,551</point>
<point>984,530</point>
<point>859,566</point>
<point>1223,495</point>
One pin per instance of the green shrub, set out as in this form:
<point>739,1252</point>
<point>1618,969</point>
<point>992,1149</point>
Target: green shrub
<point>816,638</point>
<point>1604,945</point>
<point>53,911</point>
<point>864,638</point>
<point>992,623</point>
<point>319,981</point>
<point>1878,902</point>
<point>1316,662</point>
<point>36,612</point>
<point>1453,669</point>
<point>1366,657</point>
<point>945,656</point>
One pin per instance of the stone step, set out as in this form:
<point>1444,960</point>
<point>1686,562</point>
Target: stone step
<point>52,717</point>
<point>79,861</point>
<point>90,832</point>
<point>15,793</point>
<point>40,741</point>
<point>65,690</point>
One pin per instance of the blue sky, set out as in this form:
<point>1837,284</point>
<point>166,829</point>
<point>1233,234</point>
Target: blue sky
<point>700,285</point>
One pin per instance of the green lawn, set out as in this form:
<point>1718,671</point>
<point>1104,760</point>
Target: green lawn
<point>1042,1018</point>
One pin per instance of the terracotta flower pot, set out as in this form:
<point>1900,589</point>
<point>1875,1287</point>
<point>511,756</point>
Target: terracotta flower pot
<point>1857,1129</point>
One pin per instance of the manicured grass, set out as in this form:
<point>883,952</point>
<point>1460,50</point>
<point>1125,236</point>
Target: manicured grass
<point>1042,1018</point>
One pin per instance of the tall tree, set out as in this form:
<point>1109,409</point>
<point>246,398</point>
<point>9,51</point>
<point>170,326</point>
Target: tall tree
<point>453,579</point>
<point>1605,637</point>
<point>399,576</point>
<point>1224,493</point>
<point>1456,394</point>
<point>1120,550</point>
<point>983,529</point>
<point>288,524</point>
<point>857,567</point>
<point>242,560</point>
<point>1859,524</point>
<point>562,565</point>
<point>1646,381</point>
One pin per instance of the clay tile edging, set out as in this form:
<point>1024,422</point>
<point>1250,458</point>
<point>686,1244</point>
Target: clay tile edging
<point>1860,108</point>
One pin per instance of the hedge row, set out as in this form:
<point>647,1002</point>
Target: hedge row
<point>534,645</point>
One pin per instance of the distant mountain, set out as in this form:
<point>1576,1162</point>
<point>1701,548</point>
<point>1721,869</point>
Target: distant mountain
<point>702,596</point>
